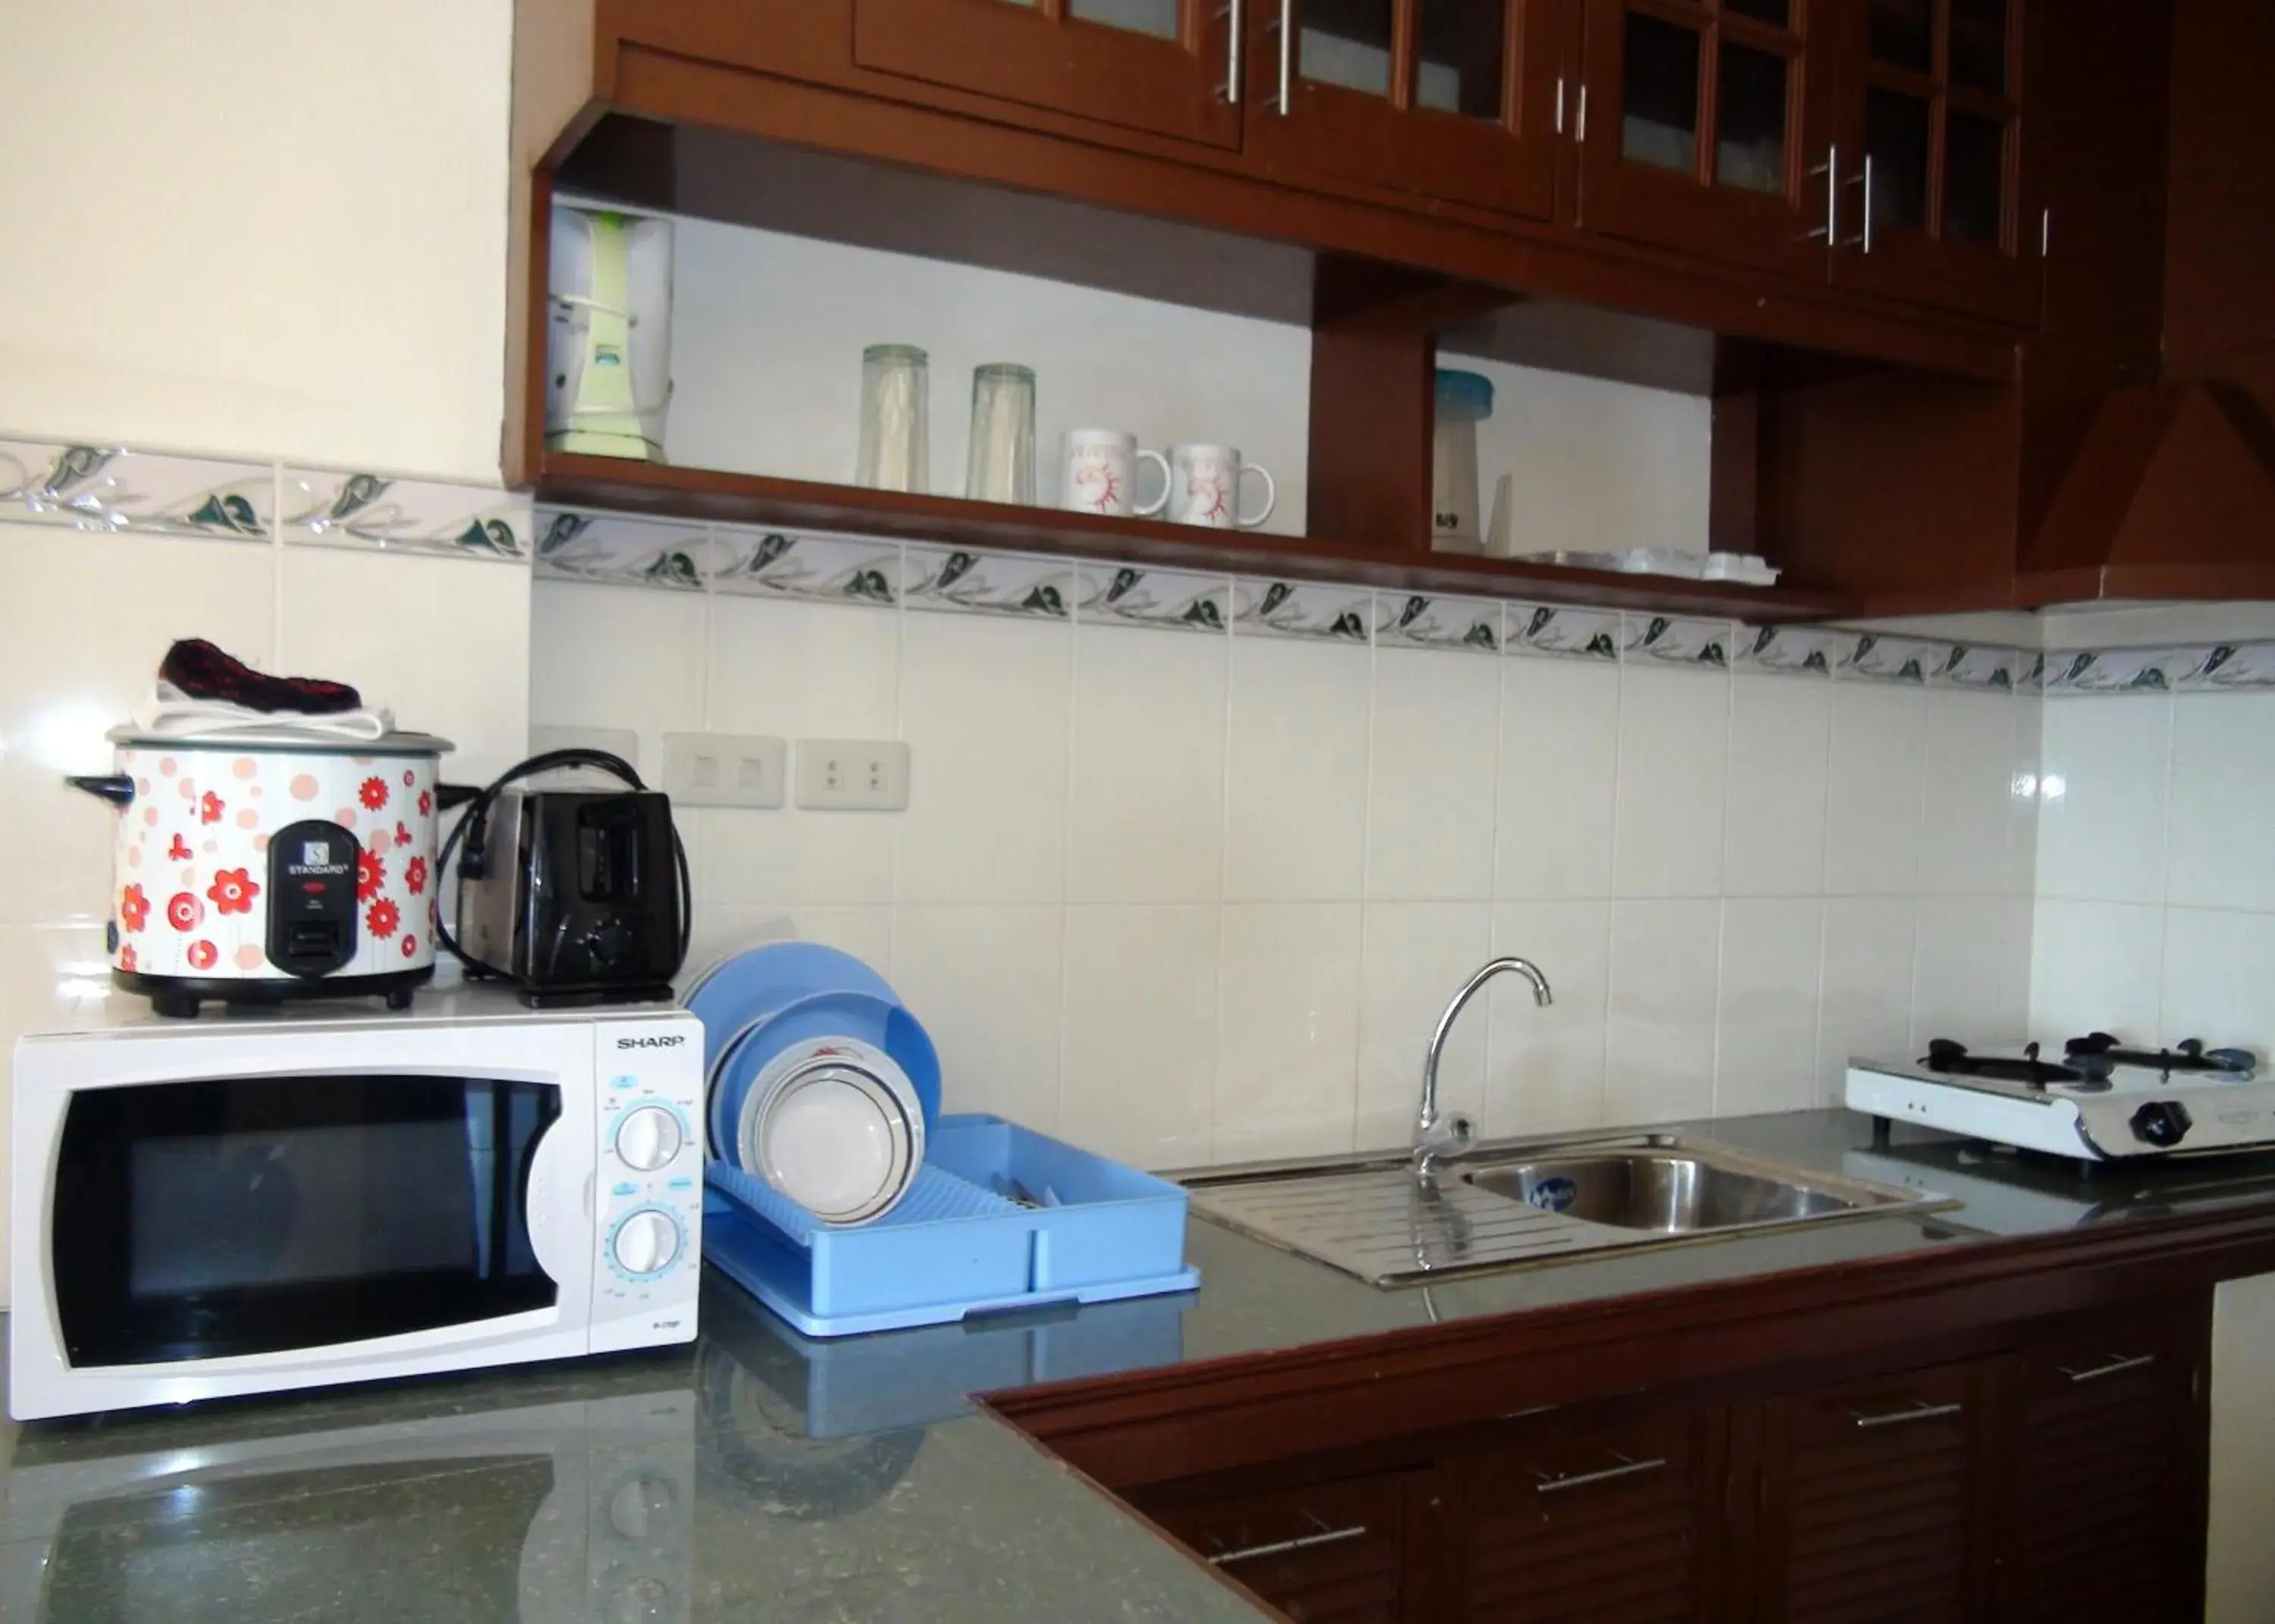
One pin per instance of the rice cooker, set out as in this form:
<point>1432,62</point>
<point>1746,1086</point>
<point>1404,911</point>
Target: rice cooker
<point>272,865</point>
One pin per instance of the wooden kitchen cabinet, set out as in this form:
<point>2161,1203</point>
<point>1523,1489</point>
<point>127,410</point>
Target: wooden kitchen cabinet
<point>2056,1476</point>
<point>1458,100</point>
<point>1607,1513</point>
<point>1163,66</point>
<point>2097,1512</point>
<point>1869,1499</point>
<point>1340,1548</point>
<point>1928,134</point>
<point>1701,123</point>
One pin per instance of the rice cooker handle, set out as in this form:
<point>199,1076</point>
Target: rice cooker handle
<point>114,788</point>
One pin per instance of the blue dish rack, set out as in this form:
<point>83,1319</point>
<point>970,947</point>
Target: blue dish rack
<point>964,1241</point>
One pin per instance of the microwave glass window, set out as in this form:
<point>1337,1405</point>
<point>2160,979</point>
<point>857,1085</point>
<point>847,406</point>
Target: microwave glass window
<point>277,1544</point>
<point>230,1216</point>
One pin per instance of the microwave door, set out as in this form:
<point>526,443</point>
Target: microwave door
<point>224,1217</point>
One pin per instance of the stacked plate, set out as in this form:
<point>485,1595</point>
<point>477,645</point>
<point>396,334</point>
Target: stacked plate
<point>820,1082</point>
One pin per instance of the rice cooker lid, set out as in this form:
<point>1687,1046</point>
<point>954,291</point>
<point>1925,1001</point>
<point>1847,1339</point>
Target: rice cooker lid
<point>285,738</point>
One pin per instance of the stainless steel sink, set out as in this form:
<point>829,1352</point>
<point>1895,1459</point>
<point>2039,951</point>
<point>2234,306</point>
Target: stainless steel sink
<point>1671,1191</point>
<point>1510,1206</point>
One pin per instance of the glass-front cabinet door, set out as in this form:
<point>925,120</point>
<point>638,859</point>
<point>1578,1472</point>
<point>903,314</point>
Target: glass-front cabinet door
<point>1929,135</point>
<point>1702,127</point>
<point>1451,99</point>
<point>1164,66</point>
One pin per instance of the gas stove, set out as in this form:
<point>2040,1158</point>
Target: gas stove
<point>2101,1101</point>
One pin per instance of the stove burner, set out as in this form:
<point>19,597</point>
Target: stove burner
<point>1952,1060</point>
<point>2097,1053</point>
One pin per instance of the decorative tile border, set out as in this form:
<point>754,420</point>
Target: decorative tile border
<point>1672,639</point>
<point>108,488</point>
<point>1171,600</point>
<point>814,569</point>
<point>1305,609</point>
<point>1561,632</point>
<point>960,581</point>
<point>116,488</point>
<point>325,509</point>
<point>1793,650</point>
<point>1468,624</point>
<point>617,551</point>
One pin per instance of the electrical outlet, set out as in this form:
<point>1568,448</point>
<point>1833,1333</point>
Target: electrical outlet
<point>847,774</point>
<point>723,769</point>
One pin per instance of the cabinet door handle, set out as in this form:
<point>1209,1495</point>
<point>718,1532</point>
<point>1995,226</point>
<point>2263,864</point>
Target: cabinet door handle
<point>1831,169</point>
<point>1280,1547</point>
<point>1628,1465</point>
<point>1281,104</point>
<point>2113,1367</point>
<point>1863,239</point>
<point>1231,13</point>
<point>1920,1411</point>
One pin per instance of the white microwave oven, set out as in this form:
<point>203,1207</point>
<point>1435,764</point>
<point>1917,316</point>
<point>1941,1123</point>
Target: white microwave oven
<point>241,1205</point>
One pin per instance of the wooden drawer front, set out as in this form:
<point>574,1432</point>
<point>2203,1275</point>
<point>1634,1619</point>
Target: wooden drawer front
<point>1595,1524</point>
<point>2093,1521</point>
<point>1868,1497</point>
<point>1319,1552</point>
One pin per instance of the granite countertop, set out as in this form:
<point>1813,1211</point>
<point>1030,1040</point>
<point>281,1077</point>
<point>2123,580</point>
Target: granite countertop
<point>757,1474</point>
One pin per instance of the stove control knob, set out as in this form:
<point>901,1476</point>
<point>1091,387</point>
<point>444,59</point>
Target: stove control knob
<point>647,1137</point>
<point>2161,1123</point>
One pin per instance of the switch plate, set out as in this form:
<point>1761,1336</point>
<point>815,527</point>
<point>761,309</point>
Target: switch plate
<point>846,775</point>
<point>724,769</point>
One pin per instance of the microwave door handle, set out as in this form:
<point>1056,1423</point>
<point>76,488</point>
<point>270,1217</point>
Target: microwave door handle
<point>560,1204</point>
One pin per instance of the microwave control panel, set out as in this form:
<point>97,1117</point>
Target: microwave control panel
<point>647,1200</point>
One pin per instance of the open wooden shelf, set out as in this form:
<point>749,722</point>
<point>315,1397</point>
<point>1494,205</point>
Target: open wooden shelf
<point>616,485</point>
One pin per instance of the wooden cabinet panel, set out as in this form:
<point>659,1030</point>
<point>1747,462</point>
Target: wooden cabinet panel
<point>1592,1518</point>
<point>1452,99</point>
<point>1868,1501</point>
<point>1325,1551</point>
<point>1157,65</point>
<point>1702,122</point>
<point>2093,1507</point>
<point>1928,128</point>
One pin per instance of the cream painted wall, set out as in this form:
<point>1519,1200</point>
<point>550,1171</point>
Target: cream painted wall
<point>258,227</point>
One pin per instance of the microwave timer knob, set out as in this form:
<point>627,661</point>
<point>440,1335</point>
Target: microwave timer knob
<point>647,1137</point>
<point>645,1243</point>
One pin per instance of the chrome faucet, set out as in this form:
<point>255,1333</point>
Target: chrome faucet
<point>1436,1137</point>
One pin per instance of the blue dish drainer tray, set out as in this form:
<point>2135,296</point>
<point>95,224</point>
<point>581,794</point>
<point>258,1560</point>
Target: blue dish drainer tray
<point>958,1244</point>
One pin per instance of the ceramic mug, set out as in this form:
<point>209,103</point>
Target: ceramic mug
<point>1101,475</point>
<point>1204,488</point>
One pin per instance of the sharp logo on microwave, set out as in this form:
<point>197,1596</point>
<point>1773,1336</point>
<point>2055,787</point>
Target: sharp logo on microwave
<point>671,1042</point>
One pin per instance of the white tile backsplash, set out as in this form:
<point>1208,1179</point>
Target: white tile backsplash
<point>1145,813</point>
<point>1772,965</point>
<point>1662,1008</point>
<point>1296,771</point>
<point>2103,779</point>
<point>1287,1039</point>
<point>1431,782</point>
<point>1673,756</point>
<point>1217,887</point>
<point>2221,820</point>
<point>1781,734</point>
<point>985,706</point>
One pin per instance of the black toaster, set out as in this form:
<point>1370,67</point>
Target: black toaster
<point>577,895</point>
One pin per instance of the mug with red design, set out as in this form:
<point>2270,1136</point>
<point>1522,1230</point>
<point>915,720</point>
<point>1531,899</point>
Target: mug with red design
<point>1101,475</point>
<point>1204,488</point>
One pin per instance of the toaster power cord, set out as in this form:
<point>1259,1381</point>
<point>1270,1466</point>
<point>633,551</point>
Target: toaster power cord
<point>472,831</point>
